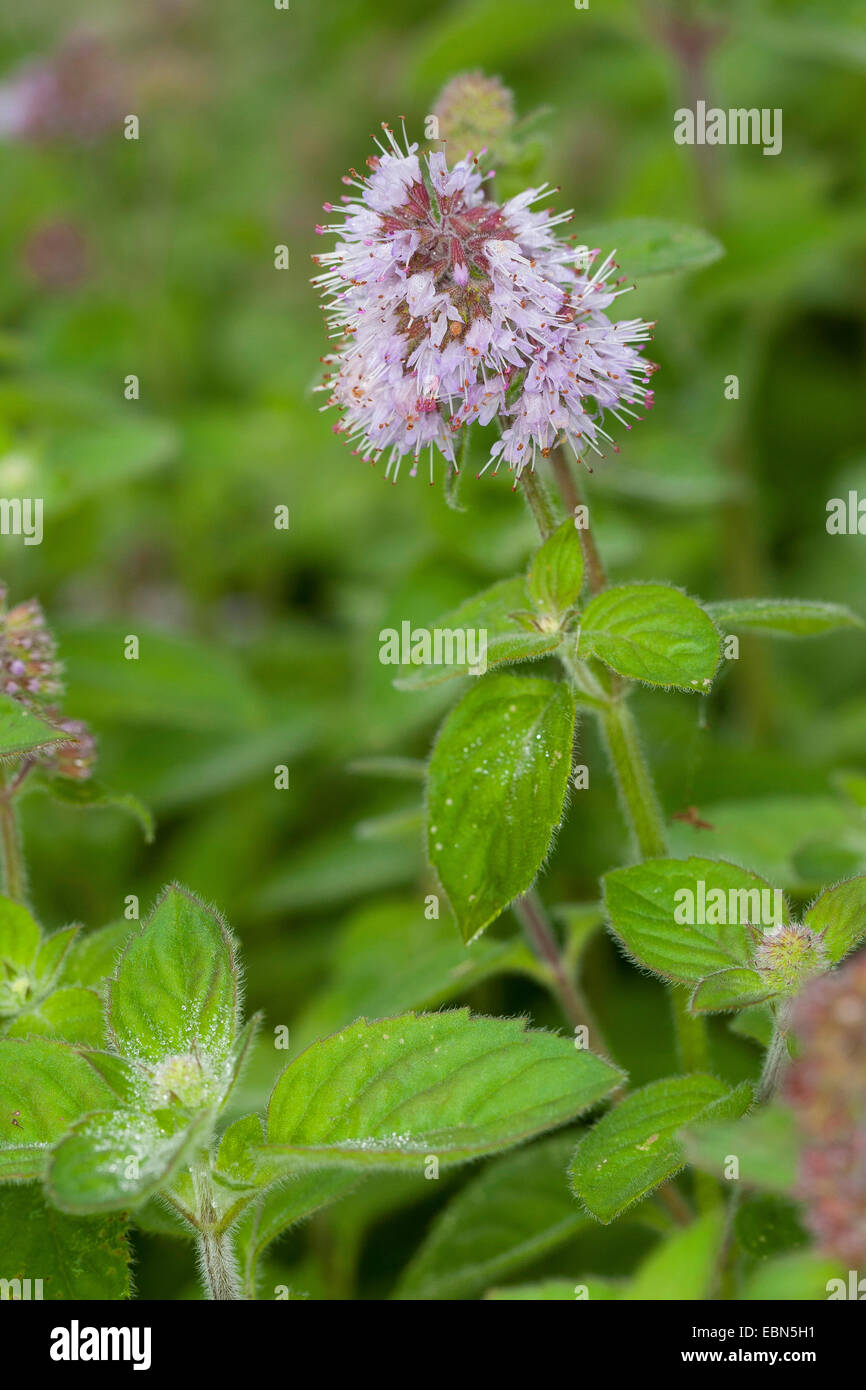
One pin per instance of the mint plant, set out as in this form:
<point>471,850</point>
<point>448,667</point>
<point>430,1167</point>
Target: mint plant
<point>138,1103</point>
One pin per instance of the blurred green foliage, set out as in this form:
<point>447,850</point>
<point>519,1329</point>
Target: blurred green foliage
<point>260,646</point>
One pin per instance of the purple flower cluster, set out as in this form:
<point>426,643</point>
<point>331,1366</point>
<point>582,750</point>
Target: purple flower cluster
<point>450,308</point>
<point>31,673</point>
<point>826,1087</point>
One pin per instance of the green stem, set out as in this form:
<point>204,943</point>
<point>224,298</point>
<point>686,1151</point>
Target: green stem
<point>570,494</point>
<point>637,794</point>
<point>539,933</point>
<point>538,502</point>
<point>14,870</point>
<point>690,1032</point>
<point>775,1060</point>
<point>217,1262</point>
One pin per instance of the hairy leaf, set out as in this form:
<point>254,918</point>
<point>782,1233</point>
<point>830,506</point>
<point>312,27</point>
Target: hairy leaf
<point>388,1094</point>
<point>651,633</point>
<point>784,617</point>
<point>497,784</point>
<point>635,1147</point>
<point>642,900</point>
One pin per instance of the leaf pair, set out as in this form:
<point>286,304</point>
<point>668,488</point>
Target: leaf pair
<point>715,951</point>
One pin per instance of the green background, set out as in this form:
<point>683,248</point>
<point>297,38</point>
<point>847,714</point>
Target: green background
<point>260,647</point>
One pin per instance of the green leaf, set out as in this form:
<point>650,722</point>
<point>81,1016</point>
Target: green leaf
<point>71,1013</point>
<point>635,1147</point>
<point>682,1268</point>
<point>389,1094</point>
<point>651,246</point>
<point>766,1144</point>
<point>556,573</point>
<point>496,792</point>
<point>801,1277</point>
<point>52,954</point>
<point>491,612</point>
<point>175,988</point>
<point>286,1206</point>
<point>786,617</point>
<point>22,732</point>
<point>116,1160</point>
<point>643,908</point>
<point>651,633</point>
<point>45,1086</point>
<point>95,954</point>
<point>512,1213</point>
<point>94,795</point>
<point>736,988</point>
<point>840,913</point>
<point>19,936</point>
<point>73,1258</point>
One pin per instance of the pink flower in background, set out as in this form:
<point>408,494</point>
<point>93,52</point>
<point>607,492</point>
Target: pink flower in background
<point>826,1087</point>
<point>449,308</point>
<point>75,94</point>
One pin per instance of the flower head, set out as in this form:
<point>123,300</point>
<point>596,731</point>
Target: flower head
<point>450,308</point>
<point>826,1088</point>
<point>790,954</point>
<point>32,673</point>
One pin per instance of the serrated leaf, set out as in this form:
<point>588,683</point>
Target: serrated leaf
<point>387,1094</point>
<point>71,1013</point>
<point>767,1145</point>
<point>651,633</point>
<point>652,246</point>
<point>491,612</point>
<point>840,913</point>
<point>736,988</point>
<point>175,988</point>
<point>635,1147</point>
<point>556,574</point>
<point>512,1213</point>
<point>73,1258</point>
<point>642,909</point>
<point>116,1160</point>
<point>22,732</point>
<point>45,1086</point>
<point>784,617</point>
<point>496,791</point>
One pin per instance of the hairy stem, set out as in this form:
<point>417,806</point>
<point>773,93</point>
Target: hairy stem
<point>14,869</point>
<point>538,502</point>
<point>775,1060</point>
<point>539,933</point>
<point>570,494</point>
<point>637,794</point>
<point>217,1263</point>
